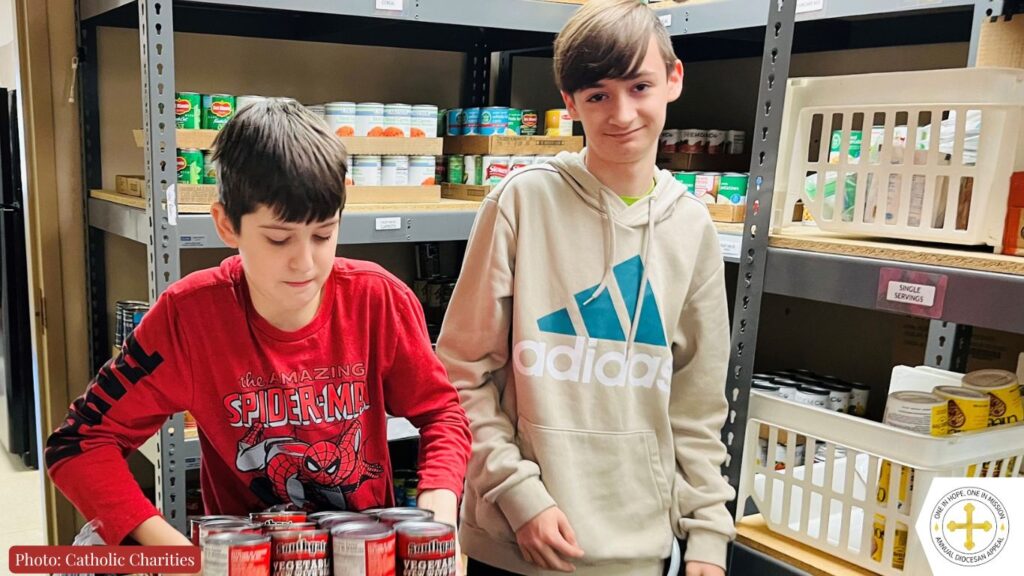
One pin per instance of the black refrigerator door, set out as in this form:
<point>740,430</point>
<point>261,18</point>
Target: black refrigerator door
<point>17,394</point>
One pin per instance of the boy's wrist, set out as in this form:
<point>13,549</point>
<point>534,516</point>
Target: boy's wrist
<point>155,531</point>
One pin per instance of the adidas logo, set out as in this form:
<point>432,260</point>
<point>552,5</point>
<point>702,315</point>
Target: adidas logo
<point>581,362</point>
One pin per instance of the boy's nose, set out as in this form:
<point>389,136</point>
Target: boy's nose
<point>303,258</point>
<point>624,113</point>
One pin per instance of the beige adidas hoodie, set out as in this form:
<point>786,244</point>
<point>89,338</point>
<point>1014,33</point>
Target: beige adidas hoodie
<point>589,343</point>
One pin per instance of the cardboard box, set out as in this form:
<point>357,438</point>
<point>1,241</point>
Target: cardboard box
<point>465,192</point>
<point>206,194</point>
<point>727,212</point>
<point>198,139</point>
<point>512,145</point>
<point>130,185</point>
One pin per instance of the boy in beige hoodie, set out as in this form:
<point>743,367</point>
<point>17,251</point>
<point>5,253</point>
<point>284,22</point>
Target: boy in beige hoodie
<point>588,335</point>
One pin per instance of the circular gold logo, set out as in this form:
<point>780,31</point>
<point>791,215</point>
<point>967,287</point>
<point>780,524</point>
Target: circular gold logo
<point>969,526</point>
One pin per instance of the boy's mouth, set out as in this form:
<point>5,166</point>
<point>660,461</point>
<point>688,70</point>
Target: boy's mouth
<point>299,284</point>
<point>622,135</point>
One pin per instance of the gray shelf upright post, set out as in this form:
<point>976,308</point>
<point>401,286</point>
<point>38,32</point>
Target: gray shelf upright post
<point>156,42</point>
<point>778,46</point>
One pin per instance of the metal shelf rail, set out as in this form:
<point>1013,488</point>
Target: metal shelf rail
<point>498,25</point>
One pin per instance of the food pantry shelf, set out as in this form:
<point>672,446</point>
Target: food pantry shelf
<point>192,458</point>
<point>203,140</point>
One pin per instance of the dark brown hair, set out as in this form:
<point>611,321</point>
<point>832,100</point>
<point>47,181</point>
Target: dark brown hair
<point>277,154</point>
<point>608,39</point>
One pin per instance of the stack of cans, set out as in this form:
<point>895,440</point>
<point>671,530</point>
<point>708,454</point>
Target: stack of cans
<point>128,315</point>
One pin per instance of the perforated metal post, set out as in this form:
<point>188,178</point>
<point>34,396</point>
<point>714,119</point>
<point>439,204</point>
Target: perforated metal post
<point>476,76</point>
<point>156,41</point>
<point>753,254</point>
<point>949,345</point>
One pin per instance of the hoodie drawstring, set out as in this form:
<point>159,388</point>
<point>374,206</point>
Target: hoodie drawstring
<point>646,263</point>
<point>609,249</point>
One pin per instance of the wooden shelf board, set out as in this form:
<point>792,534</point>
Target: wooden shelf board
<point>512,145</point>
<point>753,531</point>
<point>203,140</point>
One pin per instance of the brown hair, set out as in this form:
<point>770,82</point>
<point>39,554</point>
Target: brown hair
<point>608,39</point>
<point>278,154</point>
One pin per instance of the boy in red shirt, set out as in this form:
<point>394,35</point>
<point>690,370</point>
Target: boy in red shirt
<point>287,357</point>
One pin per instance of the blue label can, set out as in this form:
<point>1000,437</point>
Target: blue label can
<point>471,121</point>
<point>493,120</point>
<point>453,122</point>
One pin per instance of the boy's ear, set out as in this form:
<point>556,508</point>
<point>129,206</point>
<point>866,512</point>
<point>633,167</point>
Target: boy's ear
<point>225,229</point>
<point>570,105</point>
<point>675,81</point>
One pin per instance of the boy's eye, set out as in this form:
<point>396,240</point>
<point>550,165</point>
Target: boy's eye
<point>319,238</point>
<point>277,242</point>
<point>642,87</point>
<point>596,98</point>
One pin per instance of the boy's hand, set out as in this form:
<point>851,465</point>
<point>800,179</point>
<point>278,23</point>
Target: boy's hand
<point>703,569</point>
<point>547,540</point>
<point>155,531</point>
<point>445,506</point>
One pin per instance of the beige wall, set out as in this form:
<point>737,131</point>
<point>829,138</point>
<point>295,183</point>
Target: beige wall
<point>8,47</point>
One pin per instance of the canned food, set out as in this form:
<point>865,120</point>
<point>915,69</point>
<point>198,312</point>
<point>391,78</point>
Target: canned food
<point>300,552</point>
<point>424,121</point>
<point>839,396</point>
<point>196,521</point>
<point>209,168</point>
<point>392,516</point>
<point>899,549</point>
<point>373,512</point>
<point>968,409</point>
<point>1004,392</point>
<point>706,187</point>
<point>290,527</point>
<point>370,119</point>
<point>366,170</point>
<point>397,120</point>
<point>230,554</point>
<point>493,120</point>
<point>335,518</point>
<point>318,110</point>
<point>471,170</point>
<point>217,110</point>
<point>243,101</point>
<point>687,179</point>
<point>341,118</point>
<point>190,166</point>
<point>493,169</point>
<point>692,141</point>
<point>667,141</point>
<point>426,548</point>
<point>364,549</point>
<point>515,122</point>
<point>557,122</point>
<point>520,162</point>
<point>456,169</point>
<point>799,454</point>
<point>529,124</point>
<point>470,121</point>
<point>716,141</point>
<point>215,527</point>
<point>764,387</point>
<point>188,110</point>
<point>734,142</point>
<point>394,171</point>
<point>732,189</point>
<point>921,412</point>
<point>812,396</point>
<point>316,516</point>
<point>787,388</point>
<point>277,517</point>
<point>454,120</point>
<point>422,170</point>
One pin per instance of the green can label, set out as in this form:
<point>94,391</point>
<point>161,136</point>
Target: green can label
<point>456,170</point>
<point>209,168</point>
<point>187,110</point>
<point>528,124</point>
<point>688,179</point>
<point>217,110</point>
<point>515,121</point>
<point>190,166</point>
<point>733,187</point>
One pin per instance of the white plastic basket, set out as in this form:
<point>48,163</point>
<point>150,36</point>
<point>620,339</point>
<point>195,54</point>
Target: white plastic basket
<point>833,508</point>
<point>948,182</point>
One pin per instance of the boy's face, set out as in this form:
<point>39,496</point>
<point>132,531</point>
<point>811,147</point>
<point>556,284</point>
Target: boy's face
<point>624,118</point>
<point>286,263</point>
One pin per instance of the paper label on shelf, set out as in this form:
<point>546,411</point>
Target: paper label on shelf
<point>390,223</point>
<point>666,20</point>
<point>911,292</point>
<point>395,5</point>
<point>809,6</point>
<point>192,241</point>
<point>730,245</point>
<point>172,205</point>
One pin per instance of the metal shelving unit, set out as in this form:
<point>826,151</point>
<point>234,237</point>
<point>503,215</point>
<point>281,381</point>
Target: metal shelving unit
<point>480,29</point>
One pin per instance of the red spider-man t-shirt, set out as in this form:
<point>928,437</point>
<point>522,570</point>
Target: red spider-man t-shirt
<point>284,417</point>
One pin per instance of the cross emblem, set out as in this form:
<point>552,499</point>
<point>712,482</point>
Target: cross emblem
<point>969,526</point>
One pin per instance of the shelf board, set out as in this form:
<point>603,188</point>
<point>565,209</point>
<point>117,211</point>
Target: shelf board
<point>512,145</point>
<point>465,192</point>
<point>753,531</point>
<point>704,162</point>
<point>203,140</point>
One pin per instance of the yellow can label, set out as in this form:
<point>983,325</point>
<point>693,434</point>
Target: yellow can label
<point>899,546</point>
<point>1006,407</point>
<point>905,485</point>
<point>967,414</point>
<point>940,420</point>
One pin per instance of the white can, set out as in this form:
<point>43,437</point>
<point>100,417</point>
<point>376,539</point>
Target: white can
<point>799,453</point>
<point>734,142</point>
<point>859,396</point>
<point>493,169</point>
<point>394,171</point>
<point>366,170</point>
<point>787,388</point>
<point>921,412</point>
<point>668,141</point>
<point>369,119</point>
<point>706,187</point>
<point>692,141</point>
<point>243,101</point>
<point>813,396</point>
<point>520,162</point>
<point>838,397</point>
<point>318,109</point>
<point>397,120</point>
<point>716,141</point>
<point>471,167</point>
<point>341,118</point>
<point>424,121</point>
<point>422,170</point>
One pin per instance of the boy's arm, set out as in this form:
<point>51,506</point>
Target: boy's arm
<point>474,347</point>
<point>698,409</point>
<point>125,404</point>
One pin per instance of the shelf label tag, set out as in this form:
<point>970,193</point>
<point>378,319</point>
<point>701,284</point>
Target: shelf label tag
<point>666,20</point>
<point>809,6</point>
<point>395,5</point>
<point>908,292</point>
<point>390,223</point>
<point>192,241</point>
<point>730,245</point>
